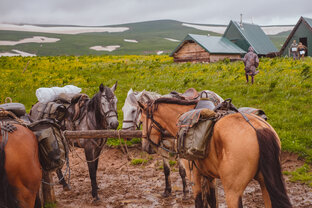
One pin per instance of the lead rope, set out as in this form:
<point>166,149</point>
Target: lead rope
<point>125,152</point>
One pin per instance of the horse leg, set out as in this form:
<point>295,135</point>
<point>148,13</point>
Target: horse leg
<point>89,153</point>
<point>166,165</point>
<point>234,183</point>
<point>97,155</point>
<point>197,189</point>
<point>265,193</point>
<point>66,187</point>
<point>182,173</point>
<point>209,192</point>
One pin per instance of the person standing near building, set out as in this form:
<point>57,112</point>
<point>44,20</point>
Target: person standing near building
<point>251,62</point>
<point>293,50</point>
<point>302,49</point>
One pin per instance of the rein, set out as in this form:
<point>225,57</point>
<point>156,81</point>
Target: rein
<point>157,126</point>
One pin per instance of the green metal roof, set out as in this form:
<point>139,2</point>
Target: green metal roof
<point>255,36</point>
<point>212,44</point>
<point>308,20</point>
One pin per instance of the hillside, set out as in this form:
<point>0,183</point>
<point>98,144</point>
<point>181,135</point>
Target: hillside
<point>151,37</point>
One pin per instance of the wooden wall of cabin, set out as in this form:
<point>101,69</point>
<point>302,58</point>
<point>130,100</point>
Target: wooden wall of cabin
<point>191,52</point>
<point>219,57</point>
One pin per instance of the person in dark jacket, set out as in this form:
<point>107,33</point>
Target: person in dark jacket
<point>302,49</point>
<point>251,62</point>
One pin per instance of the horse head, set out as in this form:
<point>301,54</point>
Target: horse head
<point>151,137</point>
<point>108,105</point>
<point>131,111</point>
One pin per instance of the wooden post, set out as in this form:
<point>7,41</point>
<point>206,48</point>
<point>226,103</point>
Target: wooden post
<point>91,134</point>
<point>47,190</point>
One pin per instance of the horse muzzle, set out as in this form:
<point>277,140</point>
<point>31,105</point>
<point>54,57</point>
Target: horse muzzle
<point>113,124</point>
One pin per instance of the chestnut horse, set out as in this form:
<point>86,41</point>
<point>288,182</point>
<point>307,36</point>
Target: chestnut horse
<point>242,148</point>
<point>20,170</point>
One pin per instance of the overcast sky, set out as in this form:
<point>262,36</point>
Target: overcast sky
<point>109,12</point>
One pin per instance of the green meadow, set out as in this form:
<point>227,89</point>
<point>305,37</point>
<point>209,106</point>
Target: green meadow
<point>283,88</point>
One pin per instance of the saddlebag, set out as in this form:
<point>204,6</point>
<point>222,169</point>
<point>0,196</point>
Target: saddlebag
<point>52,145</point>
<point>52,110</point>
<point>195,131</point>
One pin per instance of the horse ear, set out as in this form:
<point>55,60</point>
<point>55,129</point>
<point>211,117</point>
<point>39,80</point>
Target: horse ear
<point>114,87</point>
<point>141,105</point>
<point>101,87</point>
<point>129,92</point>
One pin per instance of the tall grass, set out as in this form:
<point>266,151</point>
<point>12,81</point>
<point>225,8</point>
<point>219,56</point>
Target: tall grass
<point>282,88</point>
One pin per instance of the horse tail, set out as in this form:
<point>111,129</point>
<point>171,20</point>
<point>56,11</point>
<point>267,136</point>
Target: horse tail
<point>37,202</point>
<point>270,167</point>
<point>7,192</point>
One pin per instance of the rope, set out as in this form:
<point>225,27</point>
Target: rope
<point>65,173</point>
<point>126,153</point>
<point>5,113</point>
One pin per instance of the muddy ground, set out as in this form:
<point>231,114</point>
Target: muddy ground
<point>124,185</point>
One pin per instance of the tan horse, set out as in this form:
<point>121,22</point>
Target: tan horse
<point>238,152</point>
<point>20,170</point>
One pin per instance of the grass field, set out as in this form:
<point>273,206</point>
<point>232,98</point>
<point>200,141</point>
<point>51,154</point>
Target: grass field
<point>283,88</point>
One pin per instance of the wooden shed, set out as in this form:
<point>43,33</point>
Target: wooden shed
<point>203,48</point>
<point>245,35</point>
<point>302,32</point>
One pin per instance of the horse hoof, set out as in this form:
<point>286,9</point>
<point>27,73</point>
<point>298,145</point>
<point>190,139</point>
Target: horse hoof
<point>165,194</point>
<point>96,201</point>
<point>66,187</point>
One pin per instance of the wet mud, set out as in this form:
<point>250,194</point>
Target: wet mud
<point>124,185</point>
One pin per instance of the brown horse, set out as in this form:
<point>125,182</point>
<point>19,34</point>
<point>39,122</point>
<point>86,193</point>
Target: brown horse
<point>239,151</point>
<point>20,170</point>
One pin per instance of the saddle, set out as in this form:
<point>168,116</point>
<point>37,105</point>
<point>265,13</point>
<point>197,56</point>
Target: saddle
<point>189,94</point>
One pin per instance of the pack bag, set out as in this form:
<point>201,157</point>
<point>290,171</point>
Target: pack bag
<point>195,131</point>
<point>52,110</point>
<point>52,146</point>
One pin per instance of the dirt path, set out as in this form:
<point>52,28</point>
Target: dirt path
<point>124,185</point>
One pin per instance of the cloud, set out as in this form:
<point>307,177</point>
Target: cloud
<point>107,12</point>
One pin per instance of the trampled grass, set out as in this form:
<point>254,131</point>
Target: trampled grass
<point>282,88</point>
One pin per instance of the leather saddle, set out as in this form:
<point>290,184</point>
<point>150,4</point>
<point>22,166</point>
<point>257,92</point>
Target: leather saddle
<point>189,94</point>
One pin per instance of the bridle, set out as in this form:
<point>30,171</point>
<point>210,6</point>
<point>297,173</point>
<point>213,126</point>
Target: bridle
<point>111,110</point>
<point>134,122</point>
<point>155,125</point>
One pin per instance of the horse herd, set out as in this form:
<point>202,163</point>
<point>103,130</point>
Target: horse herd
<point>243,147</point>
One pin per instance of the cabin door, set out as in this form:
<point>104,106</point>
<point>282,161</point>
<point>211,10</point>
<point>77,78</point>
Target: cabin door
<point>304,42</point>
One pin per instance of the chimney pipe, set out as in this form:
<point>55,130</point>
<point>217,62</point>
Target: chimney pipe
<point>241,21</point>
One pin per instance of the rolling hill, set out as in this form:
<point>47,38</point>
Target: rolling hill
<point>152,37</point>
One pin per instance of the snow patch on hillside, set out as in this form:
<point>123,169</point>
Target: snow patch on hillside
<point>274,30</point>
<point>173,40</point>
<point>216,29</point>
<point>130,41</point>
<point>35,39</point>
<point>17,53</point>
<point>268,30</point>
<point>61,30</point>
<point>105,48</point>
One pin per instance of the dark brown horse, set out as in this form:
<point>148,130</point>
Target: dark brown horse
<point>20,170</point>
<point>99,112</point>
<point>238,151</point>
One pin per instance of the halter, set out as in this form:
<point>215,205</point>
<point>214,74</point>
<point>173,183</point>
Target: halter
<point>155,125</point>
<point>134,121</point>
<point>111,111</point>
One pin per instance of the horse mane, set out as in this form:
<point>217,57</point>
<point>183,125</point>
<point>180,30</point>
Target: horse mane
<point>93,106</point>
<point>168,100</point>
